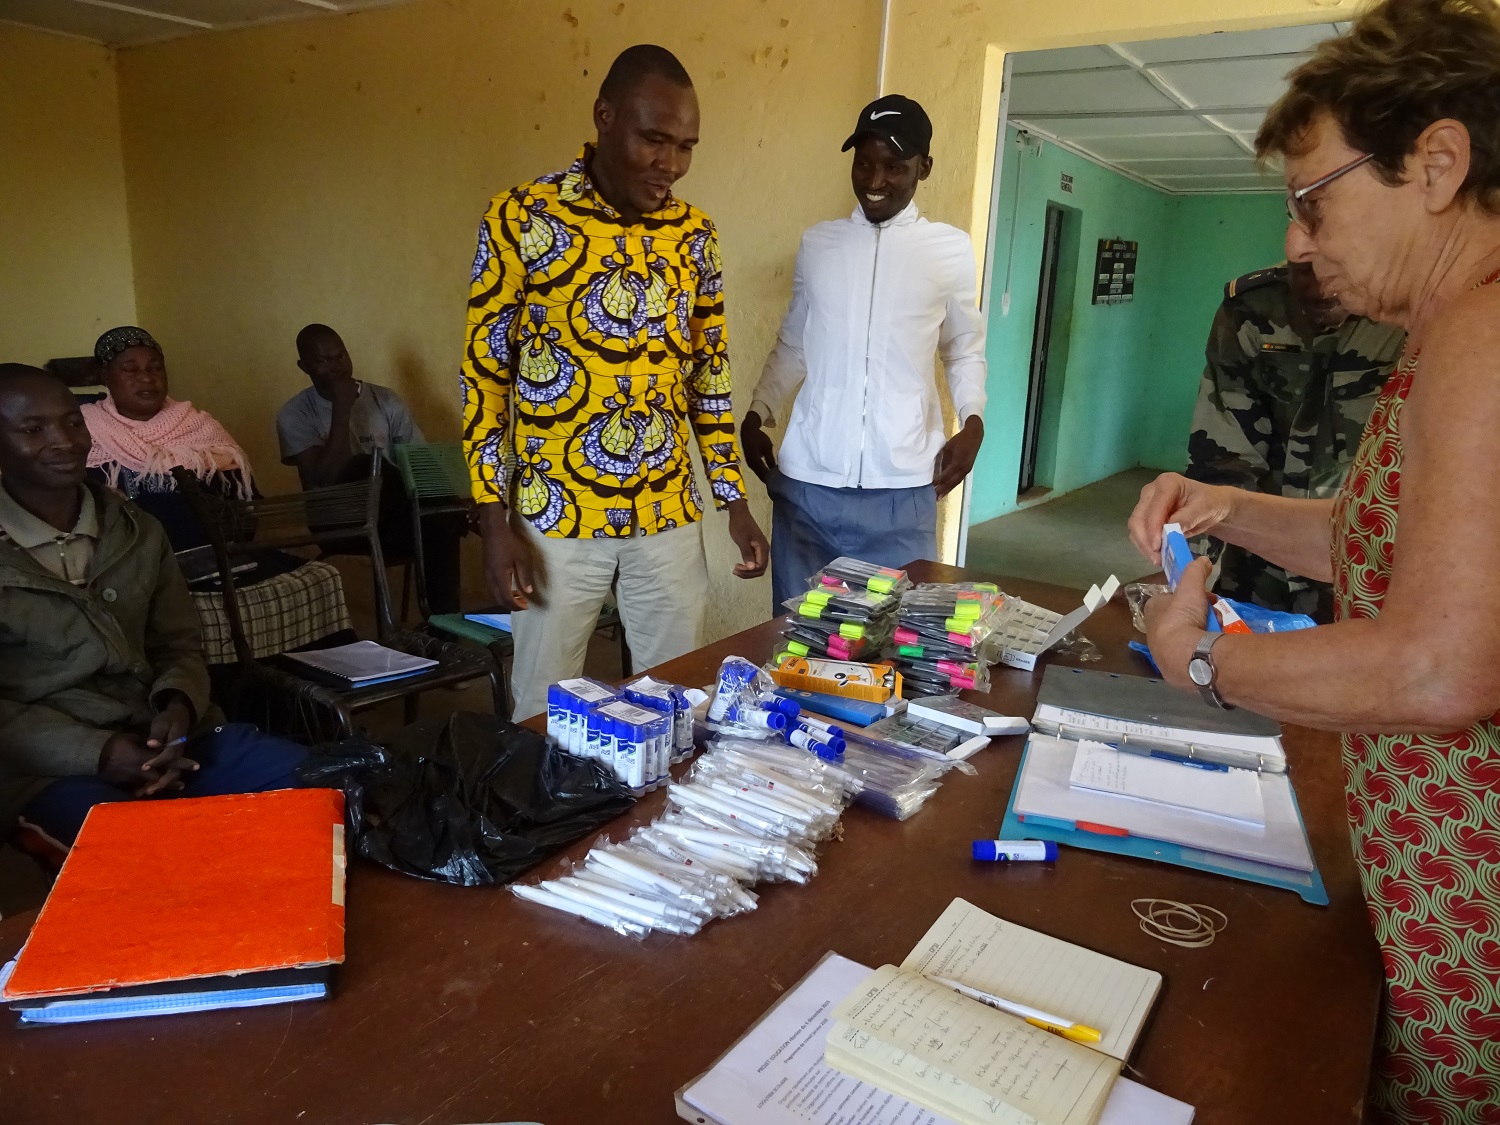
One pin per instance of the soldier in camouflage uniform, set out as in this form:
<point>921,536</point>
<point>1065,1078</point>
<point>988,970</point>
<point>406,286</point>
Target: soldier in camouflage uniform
<point>1290,383</point>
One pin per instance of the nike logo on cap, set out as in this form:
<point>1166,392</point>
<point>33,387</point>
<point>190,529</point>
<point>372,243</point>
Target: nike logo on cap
<point>886,113</point>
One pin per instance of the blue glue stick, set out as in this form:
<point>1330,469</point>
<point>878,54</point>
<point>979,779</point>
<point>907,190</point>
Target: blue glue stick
<point>1036,851</point>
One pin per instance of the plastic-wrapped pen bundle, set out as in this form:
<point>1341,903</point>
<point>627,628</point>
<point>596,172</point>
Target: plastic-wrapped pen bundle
<point>848,612</point>
<point>834,640</point>
<point>941,638</point>
<point>748,812</point>
<point>891,784</point>
<point>844,571</point>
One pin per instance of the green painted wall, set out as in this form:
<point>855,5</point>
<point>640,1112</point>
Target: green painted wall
<point>1213,238</point>
<point>1121,391</point>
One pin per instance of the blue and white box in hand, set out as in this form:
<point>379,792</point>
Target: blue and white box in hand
<point>1176,557</point>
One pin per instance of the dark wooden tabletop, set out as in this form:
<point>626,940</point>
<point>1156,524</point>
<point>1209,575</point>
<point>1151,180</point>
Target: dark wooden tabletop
<point>469,1005</point>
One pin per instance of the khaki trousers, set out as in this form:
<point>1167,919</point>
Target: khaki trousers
<point>661,585</point>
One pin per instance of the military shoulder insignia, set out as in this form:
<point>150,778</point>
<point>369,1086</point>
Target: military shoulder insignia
<point>1255,279</point>
<point>1271,346</point>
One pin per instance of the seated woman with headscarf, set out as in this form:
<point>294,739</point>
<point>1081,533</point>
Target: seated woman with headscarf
<point>141,434</point>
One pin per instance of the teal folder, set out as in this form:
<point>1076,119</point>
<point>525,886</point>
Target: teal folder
<point>1307,884</point>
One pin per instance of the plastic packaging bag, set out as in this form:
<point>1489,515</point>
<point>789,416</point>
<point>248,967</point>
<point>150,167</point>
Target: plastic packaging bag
<point>1137,594</point>
<point>1260,619</point>
<point>470,799</point>
<point>747,812</point>
<point>857,574</point>
<point>893,786</point>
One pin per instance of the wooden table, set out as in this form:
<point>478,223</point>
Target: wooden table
<point>469,1005</point>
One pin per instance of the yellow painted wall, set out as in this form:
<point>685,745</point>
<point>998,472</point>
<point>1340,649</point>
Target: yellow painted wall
<point>65,273</point>
<point>336,170</point>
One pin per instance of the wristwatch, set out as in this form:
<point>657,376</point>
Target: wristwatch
<point>1202,672</point>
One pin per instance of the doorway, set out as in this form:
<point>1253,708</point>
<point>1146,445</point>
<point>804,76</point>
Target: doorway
<point>1049,352</point>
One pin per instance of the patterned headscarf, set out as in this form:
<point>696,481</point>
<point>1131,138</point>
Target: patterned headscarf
<point>117,340</point>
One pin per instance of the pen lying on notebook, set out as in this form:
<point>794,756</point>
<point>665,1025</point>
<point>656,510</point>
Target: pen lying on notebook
<point>1183,753</point>
<point>1034,1016</point>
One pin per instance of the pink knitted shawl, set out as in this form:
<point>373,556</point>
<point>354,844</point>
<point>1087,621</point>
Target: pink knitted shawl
<point>177,435</point>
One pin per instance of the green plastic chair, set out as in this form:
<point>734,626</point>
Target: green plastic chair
<point>436,477</point>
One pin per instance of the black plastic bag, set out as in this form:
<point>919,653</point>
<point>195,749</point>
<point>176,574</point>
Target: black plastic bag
<point>471,799</point>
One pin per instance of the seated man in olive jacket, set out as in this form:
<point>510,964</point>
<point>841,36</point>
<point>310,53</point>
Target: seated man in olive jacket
<point>103,688</point>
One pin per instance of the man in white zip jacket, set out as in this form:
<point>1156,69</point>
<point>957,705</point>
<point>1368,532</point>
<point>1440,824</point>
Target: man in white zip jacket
<point>874,298</point>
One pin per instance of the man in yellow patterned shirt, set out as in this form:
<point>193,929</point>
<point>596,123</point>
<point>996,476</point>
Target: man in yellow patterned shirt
<point>597,315</point>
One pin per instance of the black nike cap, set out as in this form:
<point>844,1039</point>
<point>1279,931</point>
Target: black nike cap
<point>897,120</point>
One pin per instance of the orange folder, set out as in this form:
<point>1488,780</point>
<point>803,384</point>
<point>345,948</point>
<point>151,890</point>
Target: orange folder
<point>160,891</point>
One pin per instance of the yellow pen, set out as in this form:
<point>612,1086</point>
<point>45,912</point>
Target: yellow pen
<point>1077,1032</point>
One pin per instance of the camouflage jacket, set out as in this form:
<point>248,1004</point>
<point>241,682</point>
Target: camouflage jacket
<point>1281,409</point>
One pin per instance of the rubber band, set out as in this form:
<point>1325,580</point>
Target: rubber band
<point>1160,919</point>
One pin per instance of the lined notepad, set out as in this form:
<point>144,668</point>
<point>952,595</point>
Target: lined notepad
<point>1232,793</point>
<point>972,947</point>
<point>921,1040</point>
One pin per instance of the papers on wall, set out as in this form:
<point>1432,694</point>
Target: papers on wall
<point>1232,793</point>
<point>775,1074</point>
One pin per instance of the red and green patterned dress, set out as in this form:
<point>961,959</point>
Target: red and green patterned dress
<point>1424,813</point>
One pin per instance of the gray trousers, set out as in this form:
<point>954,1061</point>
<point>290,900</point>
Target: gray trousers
<point>662,589</point>
<point>811,525</point>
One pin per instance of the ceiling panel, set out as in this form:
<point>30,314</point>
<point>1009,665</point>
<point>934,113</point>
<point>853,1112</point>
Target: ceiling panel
<point>1064,58</point>
<point>1238,122</point>
<point>1179,124</point>
<point>1085,90</point>
<point>1228,83</point>
<point>1233,182</point>
<point>1124,146</point>
<point>1244,164</point>
<point>1153,116</point>
<point>104,25</point>
<point>1232,45</point>
<point>144,21</point>
<point>222,12</point>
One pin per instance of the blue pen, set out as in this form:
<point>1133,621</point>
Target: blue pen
<point>1181,761</point>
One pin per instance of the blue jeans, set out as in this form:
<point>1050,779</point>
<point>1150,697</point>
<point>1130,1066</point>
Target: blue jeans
<point>234,758</point>
<point>811,525</point>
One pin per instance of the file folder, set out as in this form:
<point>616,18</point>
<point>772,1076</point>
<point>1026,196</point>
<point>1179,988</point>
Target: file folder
<point>1101,837</point>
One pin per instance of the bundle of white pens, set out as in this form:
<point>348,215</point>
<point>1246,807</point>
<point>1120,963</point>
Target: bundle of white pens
<point>749,812</point>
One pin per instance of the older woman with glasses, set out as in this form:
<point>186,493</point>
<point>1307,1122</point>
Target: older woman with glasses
<point>1390,136</point>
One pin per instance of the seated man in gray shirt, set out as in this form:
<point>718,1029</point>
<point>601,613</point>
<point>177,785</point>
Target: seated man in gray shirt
<point>330,430</point>
<point>325,428</point>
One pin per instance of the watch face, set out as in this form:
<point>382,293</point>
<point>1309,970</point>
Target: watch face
<point>1200,671</point>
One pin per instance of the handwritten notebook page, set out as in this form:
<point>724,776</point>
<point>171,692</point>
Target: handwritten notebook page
<point>972,947</point>
<point>1231,793</point>
<point>990,1059</point>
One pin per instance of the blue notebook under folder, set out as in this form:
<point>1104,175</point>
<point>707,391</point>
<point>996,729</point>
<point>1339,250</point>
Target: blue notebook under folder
<point>1044,806</point>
